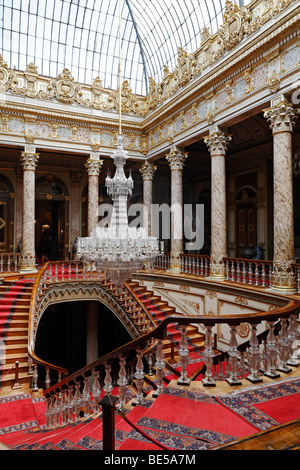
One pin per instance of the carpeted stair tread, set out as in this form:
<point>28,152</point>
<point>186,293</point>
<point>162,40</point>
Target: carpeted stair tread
<point>193,411</point>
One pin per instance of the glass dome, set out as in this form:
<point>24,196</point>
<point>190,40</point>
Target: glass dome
<point>82,35</point>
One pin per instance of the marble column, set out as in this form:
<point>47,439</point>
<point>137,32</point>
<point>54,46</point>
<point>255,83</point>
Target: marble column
<point>19,206</point>
<point>281,116</point>
<point>147,171</point>
<point>29,159</point>
<point>217,142</point>
<point>176,159</point>
<point>93,166</point>
<point>75,209</point>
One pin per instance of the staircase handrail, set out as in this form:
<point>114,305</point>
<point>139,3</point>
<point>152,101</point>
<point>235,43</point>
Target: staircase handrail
<point>160,332</point>
<point>31,353</point>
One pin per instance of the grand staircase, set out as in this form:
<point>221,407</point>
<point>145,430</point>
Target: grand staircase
<point>179,418</point>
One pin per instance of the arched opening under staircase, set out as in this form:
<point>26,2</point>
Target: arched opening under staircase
<point>62,334</point>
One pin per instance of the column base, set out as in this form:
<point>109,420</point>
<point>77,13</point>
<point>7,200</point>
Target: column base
<point>217,268</point>
<point>28,271</point>
<point>283,277</point>
<point>175,265</point>
<point>27,264</point>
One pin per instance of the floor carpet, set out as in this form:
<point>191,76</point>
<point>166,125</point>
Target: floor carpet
<point>179,419</point>
<point>266,405</point>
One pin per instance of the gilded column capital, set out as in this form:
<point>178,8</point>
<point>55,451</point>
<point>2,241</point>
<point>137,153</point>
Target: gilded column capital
<point>29,158</point>
<point>281,116</point>
<point>147,171</point>
<point>176,158</point>
<point>217,141</point>
<point>93,166</point>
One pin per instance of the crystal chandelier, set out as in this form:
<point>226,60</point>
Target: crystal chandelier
<point>118,250</point>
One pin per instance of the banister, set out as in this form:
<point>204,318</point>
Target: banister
<point>31,352</point>
<point>160,332</point>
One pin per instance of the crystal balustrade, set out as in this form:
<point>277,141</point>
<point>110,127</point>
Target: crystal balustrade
<point>79,395</point>
<point>250,272</point>
<point>9,262</point>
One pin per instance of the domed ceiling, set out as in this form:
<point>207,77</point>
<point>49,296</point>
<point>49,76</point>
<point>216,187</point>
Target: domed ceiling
<point>83,36</point>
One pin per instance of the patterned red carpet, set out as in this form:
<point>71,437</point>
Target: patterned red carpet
<point>179,419</point>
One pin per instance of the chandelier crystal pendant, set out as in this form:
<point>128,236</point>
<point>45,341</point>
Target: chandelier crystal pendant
<point>119,250</point>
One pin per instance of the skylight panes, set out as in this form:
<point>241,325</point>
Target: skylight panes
<point>83,35</point>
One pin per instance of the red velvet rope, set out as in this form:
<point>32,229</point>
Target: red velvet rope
<point>142,432</point>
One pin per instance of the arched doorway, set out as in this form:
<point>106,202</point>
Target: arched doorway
<point>246,220</point>
<point>51,218</point>
<point>6,215</point>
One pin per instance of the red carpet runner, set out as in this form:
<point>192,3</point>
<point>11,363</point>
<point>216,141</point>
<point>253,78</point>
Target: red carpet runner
<point>8,301</point>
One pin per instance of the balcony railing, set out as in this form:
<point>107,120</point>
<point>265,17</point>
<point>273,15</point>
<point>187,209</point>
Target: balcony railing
<point>9,262</point>
<point>245,271</point>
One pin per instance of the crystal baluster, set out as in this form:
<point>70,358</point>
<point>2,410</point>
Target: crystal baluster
<point>263,275</point>
<point>86,397</point>
<point>159,366</point>
<point>139,375</point>
<point>122,381</point>
<point>238,272</point>
<point>52,411</point>
<point>35,377</point>
<point>271,353</point>
<point>77,400</point>
<point>244,272</point>
<point>254,357</point>
<point>256,274</point>
<point>227,269</point>
<point>48,412</point>
<point>48,380</point>
<point>96,390</point>
<point>283,346</point>
<point>183,353</point>
<point>292,334</point>
<point>233,357</point>
<point>150,365</point>
<point>70,404</point>
<point>64,409</point>
<point>108,387</point>
<point>208,354</point>
<point>57,407</point>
